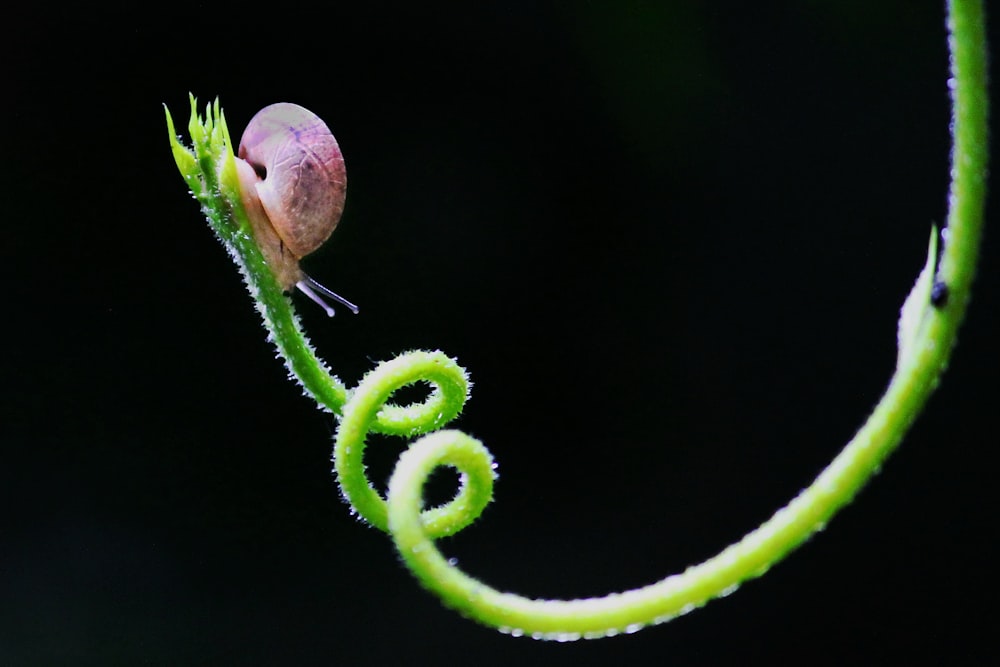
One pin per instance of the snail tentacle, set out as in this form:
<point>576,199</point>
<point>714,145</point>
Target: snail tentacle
<point>309,286</point>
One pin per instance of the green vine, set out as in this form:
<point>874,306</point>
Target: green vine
<point>927,329</point>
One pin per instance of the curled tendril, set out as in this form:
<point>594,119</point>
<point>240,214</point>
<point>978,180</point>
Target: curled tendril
<point>368,410</point>
<point>927,331</point>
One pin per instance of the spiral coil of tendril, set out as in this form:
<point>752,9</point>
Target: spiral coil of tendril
<point>413,528</point>
<point>368,410</point>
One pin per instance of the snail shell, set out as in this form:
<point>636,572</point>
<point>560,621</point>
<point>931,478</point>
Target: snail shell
<point>293,184</point>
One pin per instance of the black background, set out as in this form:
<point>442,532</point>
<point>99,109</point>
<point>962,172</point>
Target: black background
<point>669,241</point>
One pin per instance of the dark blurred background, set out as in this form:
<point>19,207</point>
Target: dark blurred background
<point>669,241</point>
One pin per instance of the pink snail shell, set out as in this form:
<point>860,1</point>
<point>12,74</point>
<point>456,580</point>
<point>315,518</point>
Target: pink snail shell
<point>293,184</point>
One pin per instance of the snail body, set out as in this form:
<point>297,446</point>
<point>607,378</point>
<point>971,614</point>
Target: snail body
<point>292,184</point>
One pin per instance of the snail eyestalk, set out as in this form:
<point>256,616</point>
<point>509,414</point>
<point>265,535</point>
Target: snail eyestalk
<point>309,287</point>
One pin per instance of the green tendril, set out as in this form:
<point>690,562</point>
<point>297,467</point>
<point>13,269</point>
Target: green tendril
<point>927,329</point>
<point>367,410</point>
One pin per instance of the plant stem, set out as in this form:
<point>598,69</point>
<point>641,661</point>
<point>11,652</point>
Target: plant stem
<point>928,326</point>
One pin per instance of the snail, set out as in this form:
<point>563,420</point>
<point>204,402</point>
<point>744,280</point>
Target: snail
<point>292,185</point>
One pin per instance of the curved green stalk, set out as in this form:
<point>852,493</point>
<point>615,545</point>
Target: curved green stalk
<point>209,169</point>
<point>927,329</point>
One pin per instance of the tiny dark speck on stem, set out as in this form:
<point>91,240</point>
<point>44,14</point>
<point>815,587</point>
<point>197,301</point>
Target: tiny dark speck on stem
<point>939,294</point>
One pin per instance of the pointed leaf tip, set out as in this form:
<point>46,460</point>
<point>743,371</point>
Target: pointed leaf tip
<point>917,304</point>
